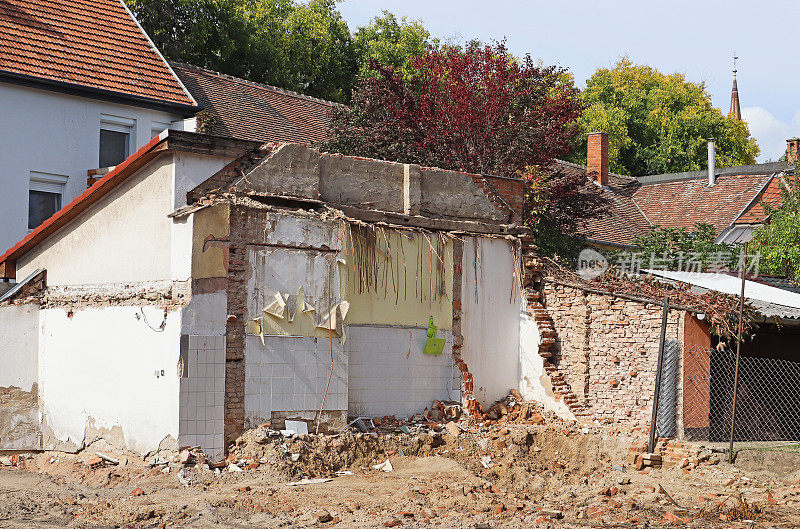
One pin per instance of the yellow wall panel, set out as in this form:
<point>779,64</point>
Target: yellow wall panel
<point>398,277</point>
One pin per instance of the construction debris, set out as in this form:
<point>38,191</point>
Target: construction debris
<point>469,472</point>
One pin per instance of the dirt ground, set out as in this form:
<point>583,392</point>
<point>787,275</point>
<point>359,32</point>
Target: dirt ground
<point>501,476</point>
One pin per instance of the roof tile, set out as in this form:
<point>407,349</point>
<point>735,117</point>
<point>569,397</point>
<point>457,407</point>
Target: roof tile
<point>248,110</point>
<point>682,204</point>
<point>91,43</point>
<point>772,195</point>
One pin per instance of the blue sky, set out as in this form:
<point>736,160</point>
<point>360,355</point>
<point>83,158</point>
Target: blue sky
<point>696,38</point>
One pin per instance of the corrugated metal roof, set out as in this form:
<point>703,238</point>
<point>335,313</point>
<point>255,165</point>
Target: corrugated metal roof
<point>773,310</point>
<point>781,282</point>
<point>768,300</point>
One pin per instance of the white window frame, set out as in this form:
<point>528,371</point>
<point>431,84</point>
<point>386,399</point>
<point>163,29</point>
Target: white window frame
<point>48,183</point>
<point>120,124</point>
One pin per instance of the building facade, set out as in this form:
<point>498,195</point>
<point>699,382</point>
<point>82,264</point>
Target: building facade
<point>71,106</point>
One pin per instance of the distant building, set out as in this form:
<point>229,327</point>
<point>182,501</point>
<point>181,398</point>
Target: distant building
<point>735,111</point>
<point>82,87</point>
<point>731,201</point>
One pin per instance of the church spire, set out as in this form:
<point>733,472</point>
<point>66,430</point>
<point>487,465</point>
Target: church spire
<point>735,111</point>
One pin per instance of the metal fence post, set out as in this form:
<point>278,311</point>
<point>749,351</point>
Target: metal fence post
<point>652,443</point>
<point>738,350</point>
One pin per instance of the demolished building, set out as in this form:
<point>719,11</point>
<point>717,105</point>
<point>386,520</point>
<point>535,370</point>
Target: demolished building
<point>209,284</point>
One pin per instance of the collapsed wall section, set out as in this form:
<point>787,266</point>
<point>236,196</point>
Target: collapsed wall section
<point>305,287</point>
<point>384,259</point>
<point>285,318</point>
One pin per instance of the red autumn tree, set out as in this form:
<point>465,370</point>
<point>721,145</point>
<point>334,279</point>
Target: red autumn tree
<point>479,110</point>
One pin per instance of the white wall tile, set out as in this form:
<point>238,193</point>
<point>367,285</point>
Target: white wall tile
<point>389,374</point>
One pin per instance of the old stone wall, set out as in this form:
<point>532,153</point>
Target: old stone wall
<point>607,349</point>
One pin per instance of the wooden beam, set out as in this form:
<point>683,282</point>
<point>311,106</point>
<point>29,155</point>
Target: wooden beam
<point>8,270</point>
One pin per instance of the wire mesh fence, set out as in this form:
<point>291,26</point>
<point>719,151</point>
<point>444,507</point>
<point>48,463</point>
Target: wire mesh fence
<point>767,400</point>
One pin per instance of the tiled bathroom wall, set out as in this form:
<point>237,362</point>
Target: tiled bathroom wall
<point>202,393</point>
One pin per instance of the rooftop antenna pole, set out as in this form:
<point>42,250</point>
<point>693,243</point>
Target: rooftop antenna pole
<point>735,58</point>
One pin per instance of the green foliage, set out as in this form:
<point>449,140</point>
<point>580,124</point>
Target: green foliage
<point>306,47</point>
<point>478,109</point>
<point>208,33</point>
<point>779,241</point>
<point>303,47</point>
<point>684,250</point>
<point>659,123</point>
<point>321,57</point>
<point>390,42</point>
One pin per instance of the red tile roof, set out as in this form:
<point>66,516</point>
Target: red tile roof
<point>772,195</point>
<point>684,203</point>
<point>624,220</point>
<point>623,223</point>
<point>253,111</point>
<point>88,43</point>
<point>675,201</point>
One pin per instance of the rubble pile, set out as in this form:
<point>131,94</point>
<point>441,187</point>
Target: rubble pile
<point>513,408</point>
<point>514,466</point>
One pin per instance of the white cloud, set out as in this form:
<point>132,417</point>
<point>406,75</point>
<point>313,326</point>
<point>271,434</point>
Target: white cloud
<point>770,132</point>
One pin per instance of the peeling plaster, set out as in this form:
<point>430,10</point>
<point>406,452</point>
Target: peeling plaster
<point>20,426</point>
<point>209,246</point>
<point>535,383</point>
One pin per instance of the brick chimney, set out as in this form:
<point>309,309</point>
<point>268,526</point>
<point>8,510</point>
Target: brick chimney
<point>597,157</point>
<point>791,149</point>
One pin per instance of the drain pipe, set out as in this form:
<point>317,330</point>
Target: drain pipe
<point>712,166</point>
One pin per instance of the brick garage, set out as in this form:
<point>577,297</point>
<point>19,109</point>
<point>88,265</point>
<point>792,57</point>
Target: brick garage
<point>606,347</point>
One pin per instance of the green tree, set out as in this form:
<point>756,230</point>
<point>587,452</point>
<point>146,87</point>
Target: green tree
<point>659,123</point>
<point>321,56</point>
<point>686,250</point>
<point>305,47</point>
<point>387,41</point>
<point>208,33</point>
<point>778,241</point>
<point>482,110</point>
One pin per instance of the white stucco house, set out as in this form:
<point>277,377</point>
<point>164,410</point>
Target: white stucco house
<point>81,88</point>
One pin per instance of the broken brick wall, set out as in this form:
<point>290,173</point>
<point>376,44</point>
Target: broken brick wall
<point>607,349</point>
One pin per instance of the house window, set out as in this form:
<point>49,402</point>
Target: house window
<point>115,140</point>
<point>45,197</point>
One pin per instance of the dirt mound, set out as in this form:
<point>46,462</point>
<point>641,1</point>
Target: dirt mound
<point>511,457</point>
